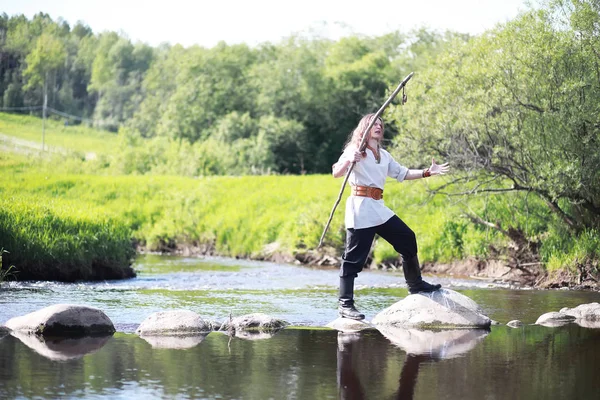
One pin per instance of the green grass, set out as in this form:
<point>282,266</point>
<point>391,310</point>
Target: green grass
<point>6,271</point>
<point>239,216</point>
<point>75,138</point>
<point>61,240</point>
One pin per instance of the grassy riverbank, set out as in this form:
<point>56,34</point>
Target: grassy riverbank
<point>60,240</point>
<point>65,219</point>
<point>234,216</point>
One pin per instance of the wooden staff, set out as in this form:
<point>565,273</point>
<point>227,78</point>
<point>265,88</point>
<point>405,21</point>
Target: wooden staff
<point>361,147</point>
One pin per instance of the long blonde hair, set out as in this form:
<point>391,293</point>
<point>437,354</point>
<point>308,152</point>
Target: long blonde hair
<point>356,136</point>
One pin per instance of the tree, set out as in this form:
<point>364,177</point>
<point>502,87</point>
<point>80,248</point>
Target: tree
<point>44,60</point>
<point>117,73</point>
<point>211,84</point>
<point>518,110</point>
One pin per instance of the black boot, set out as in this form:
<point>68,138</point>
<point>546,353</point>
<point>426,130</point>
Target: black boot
<point>346,307</point>
<point>412,275</point>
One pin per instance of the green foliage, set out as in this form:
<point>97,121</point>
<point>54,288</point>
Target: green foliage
<point>295,101</point>
<point>521,103</point>
<point>560,249</point>
<point>6,272</point>
<point>453,238</point>
<point>116,76</point>
<point>46,57</point>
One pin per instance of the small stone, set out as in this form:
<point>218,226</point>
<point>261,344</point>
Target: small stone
<point>515,323</point>
<point>256,321</point>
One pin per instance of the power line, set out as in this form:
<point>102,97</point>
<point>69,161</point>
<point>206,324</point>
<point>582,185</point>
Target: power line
<point>28,108</point>
<point>66,115</point>
<point>52,110</point>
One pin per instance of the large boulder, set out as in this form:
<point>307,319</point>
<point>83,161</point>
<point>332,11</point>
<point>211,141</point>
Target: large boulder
<point>63,320</point>
<point>554,319</point>
<point>256,322</point>
<point>61,348</point>
<point>348,325</point>
<point>173,322</point>
<point>447,343</point>
<point>442,309</point>
<point>586,312</point>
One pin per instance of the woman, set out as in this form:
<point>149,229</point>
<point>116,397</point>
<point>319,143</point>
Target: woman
<point>367,215</point>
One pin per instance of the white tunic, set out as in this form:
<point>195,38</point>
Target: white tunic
<point>365,212</point>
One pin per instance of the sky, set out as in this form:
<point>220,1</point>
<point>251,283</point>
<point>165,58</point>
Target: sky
<point>257,21</point>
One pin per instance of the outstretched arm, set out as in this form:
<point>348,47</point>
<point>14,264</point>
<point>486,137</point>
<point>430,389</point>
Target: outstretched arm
<point>435,169</point>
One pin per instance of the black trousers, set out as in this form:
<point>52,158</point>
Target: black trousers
<point>359,241</point>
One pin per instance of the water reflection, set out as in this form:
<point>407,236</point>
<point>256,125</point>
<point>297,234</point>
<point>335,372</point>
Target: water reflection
<point>532,362</point>
<point>62,349</point>
<point>256,334</point>
<point>174,341</point>
<point>437,344</point>
<point>349,384</point>
<point>587,323</point>
<point>421,346</point>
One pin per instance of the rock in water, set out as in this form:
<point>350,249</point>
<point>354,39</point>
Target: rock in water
<point>256,321</point>
<point>587,312</point>
<point>442,309</point>
<point>554,319</point>
<point>63,320</point>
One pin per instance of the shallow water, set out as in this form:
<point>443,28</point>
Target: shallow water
<point>297,362</point>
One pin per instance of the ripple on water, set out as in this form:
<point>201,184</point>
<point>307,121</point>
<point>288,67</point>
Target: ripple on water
<point>216,288</point>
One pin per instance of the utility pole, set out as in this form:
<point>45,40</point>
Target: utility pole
<point>44,110</point>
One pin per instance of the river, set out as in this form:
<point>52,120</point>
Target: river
<point>302,361</point>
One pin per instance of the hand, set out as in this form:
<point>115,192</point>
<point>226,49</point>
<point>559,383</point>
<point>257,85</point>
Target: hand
<point>357,156</point>
<point>438,169</point>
